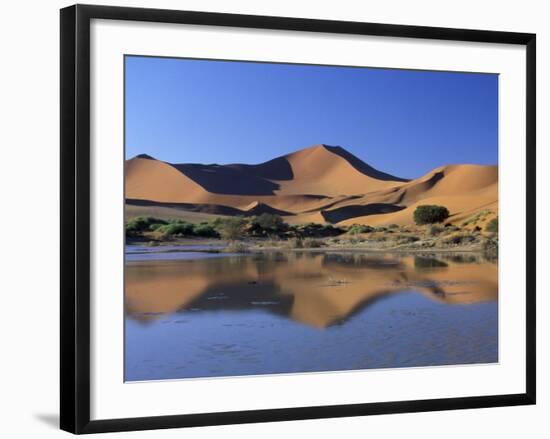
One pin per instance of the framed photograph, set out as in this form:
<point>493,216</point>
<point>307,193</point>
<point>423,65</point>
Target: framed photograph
<point>268,218</point>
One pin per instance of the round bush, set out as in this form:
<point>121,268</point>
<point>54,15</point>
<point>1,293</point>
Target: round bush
<point>430,214</point>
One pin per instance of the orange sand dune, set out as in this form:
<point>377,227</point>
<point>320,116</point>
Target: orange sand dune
<point>150,179</point>
<point>316,184</point>
<point>460,206</point>
<point>323,170</point>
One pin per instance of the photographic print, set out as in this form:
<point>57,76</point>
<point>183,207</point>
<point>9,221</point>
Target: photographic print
<point>292,218</point>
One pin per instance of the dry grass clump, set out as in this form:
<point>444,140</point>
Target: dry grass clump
<point>434,230</point>
<point>407,239</point>
<point>237,247</point>
<point>490,248</point>
<point>356,229</point>
<point>312,243</point>
<point>296,243</point>
<point>459,239</point>
<point>474,219</point>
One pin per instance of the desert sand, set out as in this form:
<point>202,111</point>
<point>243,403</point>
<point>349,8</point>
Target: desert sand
<point>320,184</point>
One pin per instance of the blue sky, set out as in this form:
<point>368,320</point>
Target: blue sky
<point>402,122</point>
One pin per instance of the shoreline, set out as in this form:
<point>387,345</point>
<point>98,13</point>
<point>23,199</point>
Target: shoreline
<point>221,247</point>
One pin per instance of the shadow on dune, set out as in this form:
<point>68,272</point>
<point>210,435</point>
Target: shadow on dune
<point>347,212</point>
<point>362,166</point>
<point>276,169</point>
<point>255,208</point>
<point>227,180</point>
<point>204,208</point>
<point>416,189</point>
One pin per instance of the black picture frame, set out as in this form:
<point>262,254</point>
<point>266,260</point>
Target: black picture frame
<point>75,217</point>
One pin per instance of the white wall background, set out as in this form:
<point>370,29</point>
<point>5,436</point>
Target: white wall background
<point>29,169</point>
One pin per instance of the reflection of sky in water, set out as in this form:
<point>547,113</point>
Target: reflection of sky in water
<point>141,253</point>
<point>425,314</point>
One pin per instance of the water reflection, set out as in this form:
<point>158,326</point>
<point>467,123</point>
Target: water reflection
<point>314,289</point>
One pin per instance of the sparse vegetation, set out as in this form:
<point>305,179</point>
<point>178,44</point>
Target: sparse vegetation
<point>407,239</point>
<point>140,224</point>
<point>430,214</point>
<point>492,226</point>
<point>490,248</point>
<point>459,239</point>
<point>474,219</point>
<point>269,231</point>
<point>434,230</point>
<point>450,228</point>
<point>237,247</point>
<point>296,243</point>
<point>163,229</point>
<point>355,229</point>
<point>313,230</point>
<point>312,243</point>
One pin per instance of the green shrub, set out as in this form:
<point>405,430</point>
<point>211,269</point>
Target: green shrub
<point>360,228</point>
<point>429,214</point>
<point>155,226</point>
<point>393,226</point>
<point>176,229</point>
<point>492,226</point>
<point>141,224</point>
<point>205,231</point>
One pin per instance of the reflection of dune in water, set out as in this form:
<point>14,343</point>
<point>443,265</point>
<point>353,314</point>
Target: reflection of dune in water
<point>317,289</point>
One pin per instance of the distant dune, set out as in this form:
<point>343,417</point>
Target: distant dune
<point>322,184</point>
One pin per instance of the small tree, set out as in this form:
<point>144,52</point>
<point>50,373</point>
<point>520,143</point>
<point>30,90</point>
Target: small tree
<point>430,214</point>
<point>231,228</point>
<point>269,222</point>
